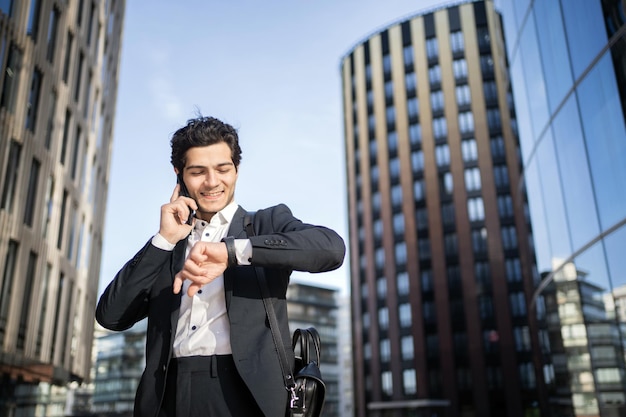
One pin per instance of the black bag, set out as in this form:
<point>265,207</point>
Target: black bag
<point>310,390</point>
<point>306,389</point>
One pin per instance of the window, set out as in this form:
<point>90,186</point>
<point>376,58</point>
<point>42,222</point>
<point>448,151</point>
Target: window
<point>392,141</point>
<point>447,214</point>
<point>406,348</point>
<point>407,52</point>
<point>427,280</point>
<point>423,248</point>
<point>522,338</point>
<point>47,212</point>
<point>404,311</point>
<point>457,43</point>
<point>466,122</point>
<point>32,26</point>
<point>33,100</point>
<point>486,65</point>
<point>402,282</point>
<point>472,179</point>
<point>501,176</point>
<point>505,206</point>
<point>436,100</point>
<point>419,190</point>
<point>6,285</point>
<point>421,218</point>
<point>491,91</point>
<point>31,197</point>
<point>469,150</point>
<point>493,119</point>
<point>387,64</point>
<point>410,83</point>
<point>381,288</point>
<point>451,244</point>
<point>383,318</point>
<point>432,48</point>
<point>10,176</point>
<point>440,127</point>
<point>387,382</point>
<point>475,209</point>
<point>485,307</point>
<point>66,134</point>
<point>391,116</point>
<point>379,256</point>
<point>434,75</point>
<point>64,203</point>
<point>442,155</point>
<point>430,316</point>
<point>518,304</point>
<point>509,237</point>
<point>463,95</point>
<point>385,350</point>
<point>52,108</point>
<point>389,89</point>
<point>513,270</point>
<point>413,107</point>
<point>446,183</point>
<point>26,302</point>
<point>400,252</point>
<point>68,57</point>
<point>479,241</point>
<point>415,133</point>
<point>459,68</point>
<point>11,78</point>
<point>52,34</point>
<point>398,224</point>
<point>417,161</point>
<point>79,76</point>
<point>396,195</point>
<point>497,147</point>
<point>409,381</point>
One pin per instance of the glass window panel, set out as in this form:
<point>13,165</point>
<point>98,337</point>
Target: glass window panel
<point>586,33</point>
<point>554,52</point>
<point>604,130</point>
<point>577,189</point>
<point>536,89</point>
<point>554,209</point>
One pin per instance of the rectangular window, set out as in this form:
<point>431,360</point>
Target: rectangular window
<point>28,290</point>
<point>57,315</point>
<point>10,176</point>
<point>68,56</point>
<point>410,382</point>
<point>475,209</point>
<point>43,307</point>
<point>11,78</point>
<point>79,77</point>
<point>47,209</point>
<point>442,155</point>
<point>31,197</point>
<point>52,108</point>
<point>32,106</point>
<point>52,34</point>
<point>457,42</point>
<point>469,150</point>
<point>92,18</point>
<point>6,286</point>
<point>406,347</point>
<point>62,219</point>
<point>66,134</point>
<point>76,152</point>
<point>472,179</point>
<point>432,48</point>
<point>32,27</point>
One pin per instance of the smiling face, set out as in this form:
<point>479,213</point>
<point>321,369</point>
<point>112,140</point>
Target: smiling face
<point>210,176</point>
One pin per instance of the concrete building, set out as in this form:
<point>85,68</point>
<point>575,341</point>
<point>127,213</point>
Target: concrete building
<point>59,65</point>
<point>442,269</point>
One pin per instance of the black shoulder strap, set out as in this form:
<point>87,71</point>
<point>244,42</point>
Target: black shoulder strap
<point>290,385</point>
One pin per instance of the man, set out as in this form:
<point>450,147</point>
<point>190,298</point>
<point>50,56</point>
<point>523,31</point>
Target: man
<point>209,349</point>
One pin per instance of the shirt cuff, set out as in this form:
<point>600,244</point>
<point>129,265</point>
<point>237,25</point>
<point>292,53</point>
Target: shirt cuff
<point>162,243</point>
<point>243,249</point>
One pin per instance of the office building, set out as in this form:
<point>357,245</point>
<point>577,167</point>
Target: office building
<point>568,74</point>
<point>442,267</point>
<point>59,63</point>
<point>314,306</point>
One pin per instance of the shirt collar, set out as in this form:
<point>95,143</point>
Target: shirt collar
<point>222,217</point>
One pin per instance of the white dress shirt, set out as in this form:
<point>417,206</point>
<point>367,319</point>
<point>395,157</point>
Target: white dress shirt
<point>203,324</point>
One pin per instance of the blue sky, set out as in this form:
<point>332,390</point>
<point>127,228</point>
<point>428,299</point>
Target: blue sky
<point>272,70</point>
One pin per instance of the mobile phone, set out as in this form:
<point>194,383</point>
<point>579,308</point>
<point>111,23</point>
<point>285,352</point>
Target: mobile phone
<point>185,193</point>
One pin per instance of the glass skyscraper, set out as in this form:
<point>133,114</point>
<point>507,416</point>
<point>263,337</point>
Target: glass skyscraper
<point>568,75</point>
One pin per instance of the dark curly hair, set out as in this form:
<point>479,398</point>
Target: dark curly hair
<point>203,131</point>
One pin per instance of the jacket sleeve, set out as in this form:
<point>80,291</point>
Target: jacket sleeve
<point>284,242</point>
<point>125,300</point>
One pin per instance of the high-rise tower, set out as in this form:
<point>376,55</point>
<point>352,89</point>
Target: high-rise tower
<point>59,65</point>
<point>442,266</point>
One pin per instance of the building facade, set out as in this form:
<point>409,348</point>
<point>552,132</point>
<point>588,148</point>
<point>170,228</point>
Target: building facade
<point>442,267</point>
<point>313,306</point>
<point>568,75</point>
<point>59,63</point>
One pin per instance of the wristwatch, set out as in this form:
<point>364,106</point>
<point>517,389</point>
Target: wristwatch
<point>230,248</point>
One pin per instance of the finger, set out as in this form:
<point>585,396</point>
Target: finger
<point>175,194</point>
<point>178,283</point>
<point>193,289</point>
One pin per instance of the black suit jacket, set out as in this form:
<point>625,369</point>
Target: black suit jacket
<point>143,288</point>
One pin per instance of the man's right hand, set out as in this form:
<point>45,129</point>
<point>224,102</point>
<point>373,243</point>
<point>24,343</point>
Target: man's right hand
<point>174,216</point>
